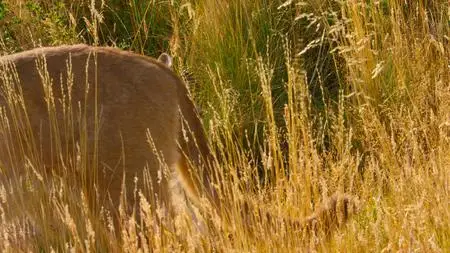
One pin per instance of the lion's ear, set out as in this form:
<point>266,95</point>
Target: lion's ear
<point>166,59</point>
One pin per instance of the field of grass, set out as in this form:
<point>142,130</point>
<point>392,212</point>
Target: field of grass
<point>300,99</point>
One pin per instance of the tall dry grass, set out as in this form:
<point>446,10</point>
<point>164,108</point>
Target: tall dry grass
<point>300,99</point>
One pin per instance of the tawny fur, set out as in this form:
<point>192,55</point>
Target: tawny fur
<point>128,95</point>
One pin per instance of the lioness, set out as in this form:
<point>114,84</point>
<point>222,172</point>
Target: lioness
<point>115,114</point>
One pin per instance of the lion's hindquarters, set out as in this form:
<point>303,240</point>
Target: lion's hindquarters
<point>101,110</point>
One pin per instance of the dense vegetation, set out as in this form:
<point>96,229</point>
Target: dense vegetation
<point>300,99</point>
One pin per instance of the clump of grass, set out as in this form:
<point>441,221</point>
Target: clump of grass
<point>26,24</point>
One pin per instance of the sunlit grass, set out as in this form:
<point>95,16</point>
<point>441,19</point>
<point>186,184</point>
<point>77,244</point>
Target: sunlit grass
<point>300,98</point>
